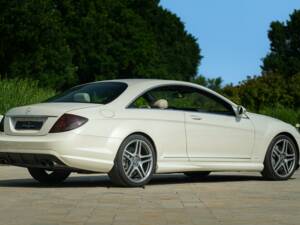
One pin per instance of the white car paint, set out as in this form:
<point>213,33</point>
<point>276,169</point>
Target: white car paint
<point>209,143</point>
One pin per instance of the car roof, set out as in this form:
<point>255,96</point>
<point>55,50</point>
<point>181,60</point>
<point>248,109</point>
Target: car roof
<point>144,81</point>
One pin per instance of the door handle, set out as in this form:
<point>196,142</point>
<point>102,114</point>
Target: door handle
<point>194,117</point>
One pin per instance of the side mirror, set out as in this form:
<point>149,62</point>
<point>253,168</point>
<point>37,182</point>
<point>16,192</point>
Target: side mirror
<point>240,110</point>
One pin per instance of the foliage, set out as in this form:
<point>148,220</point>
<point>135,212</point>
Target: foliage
<point>211,83</point>
<point>60,43</point>
<point>288,115</point>
<point>284,57</point>
<point>260,91</point>
<point>33,43</point>
<point>268,95</point>
<point>277,91</point>
<point>17,92</point>
<point>293,88</point>
<point>65,42</point>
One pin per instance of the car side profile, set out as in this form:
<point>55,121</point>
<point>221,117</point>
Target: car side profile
<point>134,128</point>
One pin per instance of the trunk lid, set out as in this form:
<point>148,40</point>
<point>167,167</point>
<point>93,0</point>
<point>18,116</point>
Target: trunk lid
<point>38,119</point>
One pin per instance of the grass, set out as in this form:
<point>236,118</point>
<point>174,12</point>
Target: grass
<point>18,92</point>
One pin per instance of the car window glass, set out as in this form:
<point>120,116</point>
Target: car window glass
<point>141,102</point>
<point>183,98</point>
<point>98,93</point>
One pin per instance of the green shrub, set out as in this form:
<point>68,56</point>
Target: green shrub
<point>288,115</point>
<point>18,92</point>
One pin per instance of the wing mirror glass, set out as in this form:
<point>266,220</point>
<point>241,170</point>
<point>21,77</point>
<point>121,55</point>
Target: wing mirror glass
<point>240,110</point>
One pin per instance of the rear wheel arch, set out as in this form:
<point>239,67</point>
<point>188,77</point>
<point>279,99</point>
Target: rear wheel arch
<point>146,136</point>
<point>118,174</point>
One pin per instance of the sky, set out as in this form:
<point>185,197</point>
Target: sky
<point>232,34</point>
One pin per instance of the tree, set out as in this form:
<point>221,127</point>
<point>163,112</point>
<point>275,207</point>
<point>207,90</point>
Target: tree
<point>66,42</point>
<point>211,83</point>
<point>294,89</point>
<point>33,44</point>
<point>257,92</point>
<point>279,83</point>
<point>284,57</point>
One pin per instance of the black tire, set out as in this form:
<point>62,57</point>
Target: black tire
<point>198,174</point>
<point>269,172</point>
<point>53,177</point>
<point>118,174</point>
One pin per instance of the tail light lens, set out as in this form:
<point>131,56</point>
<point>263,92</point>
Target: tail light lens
<point>2,125</point>
<point>68,122</point>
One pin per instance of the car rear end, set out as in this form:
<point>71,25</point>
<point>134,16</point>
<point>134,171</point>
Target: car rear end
<point>52,136</point>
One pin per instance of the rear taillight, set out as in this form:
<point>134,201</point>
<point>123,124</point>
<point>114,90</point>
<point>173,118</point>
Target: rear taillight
<point>2,125</point>
<point>68,122</point>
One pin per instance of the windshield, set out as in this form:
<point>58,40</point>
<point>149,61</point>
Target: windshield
<point>98,93</point>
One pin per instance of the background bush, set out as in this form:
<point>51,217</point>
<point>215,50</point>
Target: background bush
<point>18,92</point>
<point>288,115</point>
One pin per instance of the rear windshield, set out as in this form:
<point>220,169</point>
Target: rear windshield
<point>98,93</point>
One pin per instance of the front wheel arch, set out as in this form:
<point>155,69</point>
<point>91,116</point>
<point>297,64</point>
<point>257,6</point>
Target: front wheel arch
<point>275,136</point>
<point>295,143</point>
<point>290,136</point>
<point>269,172</point>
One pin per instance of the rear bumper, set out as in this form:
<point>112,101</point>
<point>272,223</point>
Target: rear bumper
<point>82,152</point>
<point>32,160</point>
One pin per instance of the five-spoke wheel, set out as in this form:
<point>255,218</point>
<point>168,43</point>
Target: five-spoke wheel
<point>281,159</point>
<point>135,162</point>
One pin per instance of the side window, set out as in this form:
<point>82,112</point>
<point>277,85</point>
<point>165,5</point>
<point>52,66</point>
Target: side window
<point>140,103</point>
<point>202,101</point>
<point>186,98</point>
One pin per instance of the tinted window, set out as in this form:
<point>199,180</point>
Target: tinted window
<point>184,98</point>
<point>99,93</point>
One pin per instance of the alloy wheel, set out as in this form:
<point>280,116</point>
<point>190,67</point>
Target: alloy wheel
<point>137,160</point>
<point>283,158</point>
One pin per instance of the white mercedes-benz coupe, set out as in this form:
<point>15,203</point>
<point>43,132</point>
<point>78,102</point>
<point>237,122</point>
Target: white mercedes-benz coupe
<point>134,128</point>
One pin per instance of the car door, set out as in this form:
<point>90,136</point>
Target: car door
<point>218,137</point>
<point>213,132</point>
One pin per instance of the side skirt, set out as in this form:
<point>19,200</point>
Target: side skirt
<point>173,167</point>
